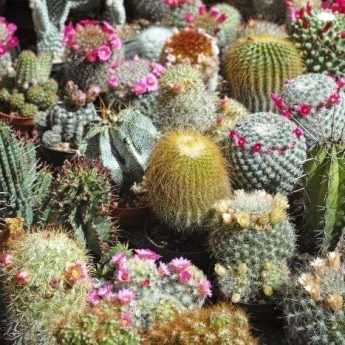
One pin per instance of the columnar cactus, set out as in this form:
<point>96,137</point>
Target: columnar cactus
<point>45,280</point>
<point>266,152</point>
<point>219,324</point>
<point>258,65</point>
<point>314,305</point>
<point>319,34</point>
<point>251,238</point>
<point>185,176</point>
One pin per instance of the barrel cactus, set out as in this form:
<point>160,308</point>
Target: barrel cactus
<point>185,176</point>
<point>267,152</point>
<point>257,66</point>
<point>251,239</point>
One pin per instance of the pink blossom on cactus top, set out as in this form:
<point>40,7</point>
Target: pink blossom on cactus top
<point>6,260</point>
<point>189,17</point>
<point>222,18</point>
<point>123,275</point>
<point>151,82</point>
<point>163,270</point>
<point>256,148</point>
<point>147,254</point>
<point>214,12</point>
<point>185,277</point>
<point>202,9</point>
<point>334,98</point>
<point>113,81</point>
<point>76,273</point>
<point>298,132</point>
<point>335,5</point>
<point>119,259</point>
<point>304,109</point>
<point>179,265</point>
<point>92,56</point>
<point>104,53</point>
<point>140,88</point>
<point>125,296</point>
<point>23,278</point>
<point>7,38</point>
<point>93,297</point>
<point>241,142</point>
<point>126,319</point>
<point>157,69</point>
<point>105,290</point>
<point>204,288</point>
<point>278,101</point>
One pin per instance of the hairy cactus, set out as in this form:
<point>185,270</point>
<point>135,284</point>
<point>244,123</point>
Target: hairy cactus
<point>185,176</point>
<point>256,27</point>
<point>148,290</point>
<point>82,200</point>
<point>257,66</point>
<point>266,152</point>
<point>218,324</point>
<point>314,305</point>
<point>23,185</point>
<point>251,238</point>
<point>46,281</point>
<point>197,48</point>
<point>319,34</point>
<point>183,101</point>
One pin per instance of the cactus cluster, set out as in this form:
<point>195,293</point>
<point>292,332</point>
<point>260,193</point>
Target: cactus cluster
<point>251,240</point>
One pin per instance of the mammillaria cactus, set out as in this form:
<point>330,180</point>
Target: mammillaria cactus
<point>256,27</point>
<point>93,48</point>
<point>148,290</point>
<point>266,152</point>
<point>46,280</point>
<point>185,176</point>
<point>183,101</point>
<point>218,324</point>
<point>319,34</point>
<point>251,239</point>
<point>197,48</point>
<point>314,305</point>
<point>258,65</point>
<point>82,200</point>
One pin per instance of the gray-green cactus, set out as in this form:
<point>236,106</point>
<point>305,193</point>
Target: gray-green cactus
<point>267,152</point>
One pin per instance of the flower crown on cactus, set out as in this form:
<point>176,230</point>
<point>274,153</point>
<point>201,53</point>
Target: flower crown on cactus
<point>334,5</point>
<point>77,98</point>
<point>304,109</point>
<point>177,3</point>
<point>93,40</point>
<point>274,210</point>
<point>7,38</point>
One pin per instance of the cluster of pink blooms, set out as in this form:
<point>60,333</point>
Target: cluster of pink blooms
<point>213,12</point>
<point>335,5</point>
<point>77,97</point>
<point>7,38</point>
<point>177,3</point>
<point>99,54</point>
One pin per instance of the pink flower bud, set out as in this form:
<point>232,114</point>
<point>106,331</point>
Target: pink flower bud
<point>23,278</point>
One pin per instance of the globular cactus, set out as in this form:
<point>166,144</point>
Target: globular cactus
<point>314,303</point>
<point>197,48</point>
<point>82,200</point>
<point>267,152</point>
<point>45,281</point>
<point>148,290</point>
<point>218,324</point>
<point>257,66</point>
<point>185,176</point>
<point>41,97</point>
<point>183,101</point>
<point>251,239</point>
<point>256,27</point>
<point>319,34</point>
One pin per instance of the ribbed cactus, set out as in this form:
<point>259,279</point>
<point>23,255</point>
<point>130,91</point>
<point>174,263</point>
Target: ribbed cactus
<point>185,176</point>
<point>46,281</point>
<point>314,305</point>
<point>183,101</point>
<point>81,200</point>
<point>319,34</point>
<point>218,324</point>
<point>266,152</point>
<point>251,239</point>
<point>257,66</point>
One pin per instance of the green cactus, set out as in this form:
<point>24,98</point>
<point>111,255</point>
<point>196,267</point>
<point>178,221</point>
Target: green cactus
<point>251,239</point>
<point>17,100</point>
<point>266,152</point>
<point>39,96</point>
<point>82,200</point>
<point>29,110</point>
<point>319,35</point>
<point>47,282</point>
<point>185,176</point>
<point>4,95</point>
<point>257,66</point>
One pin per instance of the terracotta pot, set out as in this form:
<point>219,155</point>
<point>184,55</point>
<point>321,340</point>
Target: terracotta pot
<point>131,216</point>
<point>25,124</point>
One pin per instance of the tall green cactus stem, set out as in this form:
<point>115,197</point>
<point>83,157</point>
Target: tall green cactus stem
<point>46,282</point>
<point>251,238</point>
<point>266,152</point>
<point>20,178</point>
<point>257,66</point>
<point>319,34</point>
<point>185,176</point>
<point>82,200</point>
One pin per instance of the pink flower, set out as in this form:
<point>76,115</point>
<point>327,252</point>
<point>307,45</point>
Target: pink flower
<point>104,53</point>
<point>157,69</point>
<point>204,288</point>
<point>147,254</point>
<point>125,296</point>
<point>241,142</point>
<point>184,277</point>
<point>179,265</point>
<point>105,290</point>
<point>92,56</point>
<point>119,260</point>
<point>233,134</point>
<point>163,270</point>
<point>6,260</point>
<point>286,113</point>
<point>298,132</point>
<point>108,28</point>
<point>93,297</point>
<point>76,272</point>
<point>334,98</point>
<point>146,283</point>
<point>11,28</point>
<point>140,88</point>
<point>126,319</point>
<point>214,12</point>
<point>93,92</point>
<point>123,275</point>
<point>13,42</point>
<point>151,82</point>
<point>115,42</point>
<point>278,101</point>
<point>113,82</point>
<point>256,148</point>
<point>304,109</point>
<point>69,34</point>
<point>3,49</point>
<point>202,10</point>
<point>222,18</point>
<point>23,278</point>
<point>189,17</point>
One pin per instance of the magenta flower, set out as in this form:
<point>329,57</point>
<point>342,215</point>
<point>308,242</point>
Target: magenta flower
<point>298,132</point>
<point>163,270</point>
<point>123,275</point>
<point>140,88</point>
<point>113,82</point>
<point>108,28</point>
<point>151,82</point>
<point>202,9</point>
<point>287,113</point>
<point>92,56</point>
<point>119,260</point>
<point>93,297</point>
<point>179,265</point>
<point>214,12</point>
<point>157,69</point>
<point>278,101</point>
<point>189,17</point>
<point>185,277</point>
<point>13,42</point>
<point>256,148</point>
<point>147,254</point>
<point>304,109</point>
<point>23,278</point>
<point>233,134</point>
<point>222,18</point>
<point>125,296</point>
<point>6,260</point>
<point>116,42</point>
<point>69,34</point>
<point>76,272</point>
<point>105,290</point>
<point>204,288</point>
<point>126,319</point>
<point>104,53</point>
<point>334,98</point>
<point>241,142</point>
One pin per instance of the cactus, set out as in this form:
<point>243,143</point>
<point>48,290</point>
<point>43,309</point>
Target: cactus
<point>197,48</point>
<point>185,176</point>
<point>314,305</point>
<point>319,36</point>
<point>337,6</point>
<point>47,281</point>
<point>40,97</point>
<point>82,200</point>
<point>251,239</point>
<point>266,152</point>
<point>257,66</point>
<point>218,324</point>
<point>183,101</point>
<point>256,27</point>
<point>20,178</point>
